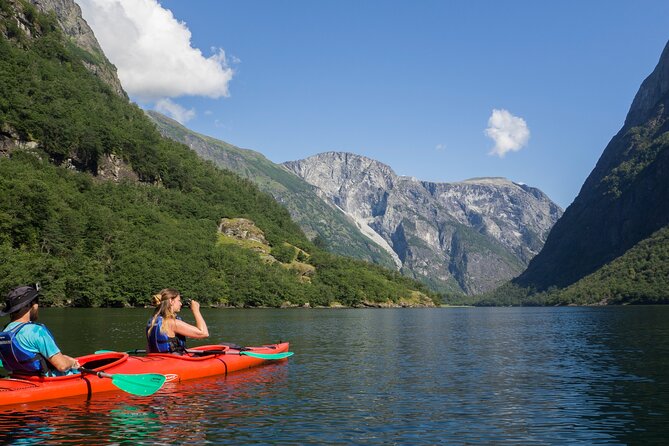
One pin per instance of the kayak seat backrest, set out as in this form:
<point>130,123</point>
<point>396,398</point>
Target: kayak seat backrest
<point>232,345</point>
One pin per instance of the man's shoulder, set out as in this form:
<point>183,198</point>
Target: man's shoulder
<point>36,338</point>
<point>34,329</point>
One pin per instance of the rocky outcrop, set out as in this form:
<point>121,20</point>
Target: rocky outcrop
<point>10,141</point>
<point>242,229</point>
<point>468,236</point>
<point>68,14</point>
<point>113,168</point>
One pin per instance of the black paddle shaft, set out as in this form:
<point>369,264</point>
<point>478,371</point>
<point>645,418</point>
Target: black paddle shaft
<point>95,372</point>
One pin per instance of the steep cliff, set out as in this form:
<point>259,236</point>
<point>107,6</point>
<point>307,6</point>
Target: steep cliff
<point>623,201</point>
<point>73,25</point>
<point>468,236</point>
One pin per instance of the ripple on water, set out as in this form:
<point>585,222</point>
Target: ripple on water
<point>427,376</point>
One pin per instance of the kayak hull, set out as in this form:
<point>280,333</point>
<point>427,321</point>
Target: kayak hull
<point>200,362</point>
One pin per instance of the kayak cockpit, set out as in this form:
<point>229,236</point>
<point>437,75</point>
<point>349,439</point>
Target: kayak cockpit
<point>103,361</point>
<point>97,362</point>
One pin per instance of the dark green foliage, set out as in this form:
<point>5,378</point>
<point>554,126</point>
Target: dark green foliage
<point>320,243</point>
<point>508,294</point>
<point>641,275</point>
<point>284,253</point>
<point>92,242</point>
<point>644,145</point>
<point>302,256</point>
<point>351,282</point>
<point>251,282</point>
<point>76,116</point>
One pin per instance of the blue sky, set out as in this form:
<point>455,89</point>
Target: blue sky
<point>413,84</point>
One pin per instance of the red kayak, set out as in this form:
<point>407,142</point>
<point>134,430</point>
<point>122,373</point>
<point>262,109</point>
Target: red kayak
<point>199,362</point>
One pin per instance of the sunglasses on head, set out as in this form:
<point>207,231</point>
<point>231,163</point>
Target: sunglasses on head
<point>36,299</point>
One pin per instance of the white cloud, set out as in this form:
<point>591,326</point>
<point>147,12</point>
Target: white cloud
<point>440,147</point>
<point>509,132</point>
<point>174,110</point>
<point>152,51</point>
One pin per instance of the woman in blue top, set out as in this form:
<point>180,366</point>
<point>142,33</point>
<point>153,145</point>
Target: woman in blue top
<point>165,331</point>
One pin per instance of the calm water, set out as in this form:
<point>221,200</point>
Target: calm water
<point>391,376</point>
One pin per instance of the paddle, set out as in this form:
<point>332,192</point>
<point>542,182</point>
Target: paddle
<point>141,384</point>
<point>281,355</point>
<point>243,353</point>
<point>266,355</point>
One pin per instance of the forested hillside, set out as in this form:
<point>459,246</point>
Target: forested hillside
<point>611,244</point>
<point>637,277</point>
<point>325,224</point>
<point>103,211</point>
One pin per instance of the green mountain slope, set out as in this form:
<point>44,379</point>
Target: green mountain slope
<point>634,277</point>
<point>624,201</point>
<point>316,218</point>
<point>98,239</point>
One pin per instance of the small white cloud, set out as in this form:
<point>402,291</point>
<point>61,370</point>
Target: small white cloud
<point>152,51</point>
<point>509,132</point>
<point>174,110</point>
<point>440,147</point>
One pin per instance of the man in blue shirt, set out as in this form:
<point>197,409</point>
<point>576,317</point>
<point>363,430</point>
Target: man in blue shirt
<point>27,347</point>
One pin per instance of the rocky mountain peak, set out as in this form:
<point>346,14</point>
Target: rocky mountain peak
<point>653,88</point>
<point>466,236</point>
<point>345,170</point>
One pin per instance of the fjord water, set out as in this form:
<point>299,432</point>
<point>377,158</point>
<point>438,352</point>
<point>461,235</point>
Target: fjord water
<point>384,376</point>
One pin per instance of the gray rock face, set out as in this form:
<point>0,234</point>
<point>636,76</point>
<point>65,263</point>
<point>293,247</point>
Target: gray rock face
<point>319,218</point>
<point>468,236</point>
<point>653,87</point>
<point>74,26</point>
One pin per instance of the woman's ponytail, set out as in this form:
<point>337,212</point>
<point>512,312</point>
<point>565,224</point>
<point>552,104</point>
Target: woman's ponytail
<point>163,303</point>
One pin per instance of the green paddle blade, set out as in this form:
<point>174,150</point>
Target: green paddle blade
<point>266,355</point>
<point>142,384</point>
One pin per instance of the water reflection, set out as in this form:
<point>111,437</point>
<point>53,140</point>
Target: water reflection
<point>25,430</point>
<point>133,425</point>
<point>424,376</point>
<point>181,413</point>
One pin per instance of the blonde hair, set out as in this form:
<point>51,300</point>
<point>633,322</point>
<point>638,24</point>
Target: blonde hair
<point>163,303</point>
